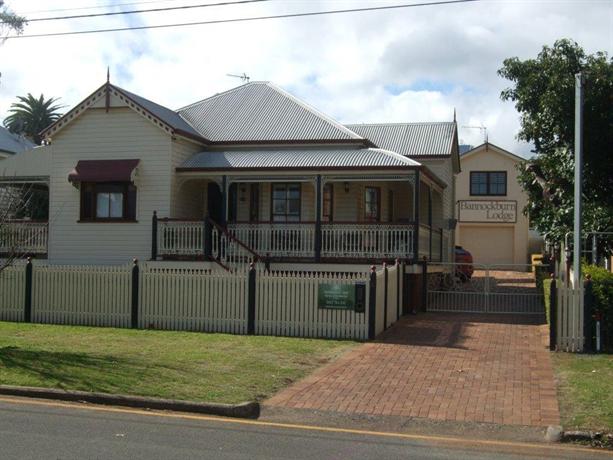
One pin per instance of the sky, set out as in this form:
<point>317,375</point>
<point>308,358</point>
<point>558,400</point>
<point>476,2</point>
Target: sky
<point>403,65</point>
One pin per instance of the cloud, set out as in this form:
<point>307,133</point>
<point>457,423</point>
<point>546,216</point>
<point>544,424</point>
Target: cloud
<point>416,64</point>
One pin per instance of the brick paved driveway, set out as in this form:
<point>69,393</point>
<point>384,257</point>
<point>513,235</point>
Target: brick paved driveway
<point>461,367</point>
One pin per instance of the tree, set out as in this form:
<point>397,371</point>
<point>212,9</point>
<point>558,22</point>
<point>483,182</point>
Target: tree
<point>544,95</point>
<point>10,21</point>
<point>31,115</point>
<point>16,202</point>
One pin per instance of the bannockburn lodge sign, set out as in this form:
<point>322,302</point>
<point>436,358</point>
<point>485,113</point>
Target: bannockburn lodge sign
<point>487,211</point>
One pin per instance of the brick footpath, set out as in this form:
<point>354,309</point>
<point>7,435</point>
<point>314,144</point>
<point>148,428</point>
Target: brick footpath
<point>460,367</point>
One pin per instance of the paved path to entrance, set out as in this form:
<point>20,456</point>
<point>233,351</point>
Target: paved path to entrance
<point>461,367</point>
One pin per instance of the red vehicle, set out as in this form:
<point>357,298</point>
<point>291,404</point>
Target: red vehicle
<point>465,258</point>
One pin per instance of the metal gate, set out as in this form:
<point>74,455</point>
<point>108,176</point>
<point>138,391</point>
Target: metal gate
<point>477,288</point>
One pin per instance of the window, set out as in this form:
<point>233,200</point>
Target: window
<point>108,202</point>
<point>327,204</point>
<point>286,202</point>
<point>488,183</point>
<point>371,204</point>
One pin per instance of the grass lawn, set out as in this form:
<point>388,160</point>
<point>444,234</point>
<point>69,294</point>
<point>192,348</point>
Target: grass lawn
<point>181,365</point>
<point>585,390</point>
<point>585,386</point>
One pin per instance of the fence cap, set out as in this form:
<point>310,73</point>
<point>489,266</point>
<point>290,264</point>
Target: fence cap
<point>29,259</point>
<point>373,268</point>
<point>135,261</point>
<point>384,264</point>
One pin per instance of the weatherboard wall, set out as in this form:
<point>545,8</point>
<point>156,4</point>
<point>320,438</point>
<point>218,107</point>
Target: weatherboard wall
<point>119,134</point>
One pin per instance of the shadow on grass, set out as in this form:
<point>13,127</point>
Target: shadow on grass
<point>68,370</point>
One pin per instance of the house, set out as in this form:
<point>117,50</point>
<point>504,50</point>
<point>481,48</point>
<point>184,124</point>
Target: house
<point>250,173</point>
<point>10,143</point>
<point>490,200</point>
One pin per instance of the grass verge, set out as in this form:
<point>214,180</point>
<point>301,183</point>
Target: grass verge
<point>181,365</point>
<point>585,390</point>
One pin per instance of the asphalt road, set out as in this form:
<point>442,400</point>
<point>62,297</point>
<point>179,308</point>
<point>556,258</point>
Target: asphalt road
<point>37,429</point>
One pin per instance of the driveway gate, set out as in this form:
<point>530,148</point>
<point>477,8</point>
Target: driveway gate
<point>484,289</point>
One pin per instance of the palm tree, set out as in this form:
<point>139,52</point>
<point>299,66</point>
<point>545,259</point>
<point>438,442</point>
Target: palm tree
<point>30,116</point>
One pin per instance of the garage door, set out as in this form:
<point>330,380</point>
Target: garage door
<point>488,245</point>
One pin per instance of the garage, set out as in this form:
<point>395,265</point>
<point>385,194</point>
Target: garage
<point>488,245</point>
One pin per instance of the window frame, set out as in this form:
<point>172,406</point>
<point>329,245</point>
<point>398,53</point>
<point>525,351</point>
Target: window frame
<point>88,205</point>
<point>488,183</point>
<point>287,200</point>
<point>368,218</point>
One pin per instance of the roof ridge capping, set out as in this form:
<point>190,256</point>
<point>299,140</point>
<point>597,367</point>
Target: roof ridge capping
<point>399,157</point>
<point>222,93</point>
<point>312,109</point>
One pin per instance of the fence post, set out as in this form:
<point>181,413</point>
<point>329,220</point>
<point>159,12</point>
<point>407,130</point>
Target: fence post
<point>424,284</point>
<point>398,300</point>
<point>588,320</point>
<point>251,300</point>
<point>27,314</point>
<point>154,236</point>
<point>372,303</point>
<point>318,220</point>
<point>553,314</point>
<point>385,282</point>
<point>135,287</point>
<point>207,238</point>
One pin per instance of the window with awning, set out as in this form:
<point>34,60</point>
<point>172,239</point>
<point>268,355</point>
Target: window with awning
<point>108,193</point>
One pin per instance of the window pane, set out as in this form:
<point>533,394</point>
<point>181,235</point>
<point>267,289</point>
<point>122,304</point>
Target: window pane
<point>116,205</point>
<point>478,183</point>
<point>278,207</point>
<point>279,192</point>
<point>294,207</point>
<point>102,205</point>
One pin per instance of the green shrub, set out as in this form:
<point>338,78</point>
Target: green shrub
<point>602,282</point>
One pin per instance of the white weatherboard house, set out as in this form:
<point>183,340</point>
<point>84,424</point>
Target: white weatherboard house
<point>251,173</point>
<point>491,224</point>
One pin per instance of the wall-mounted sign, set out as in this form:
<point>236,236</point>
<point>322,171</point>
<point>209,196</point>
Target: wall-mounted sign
<point>342,296</point>
<point>487,211</point>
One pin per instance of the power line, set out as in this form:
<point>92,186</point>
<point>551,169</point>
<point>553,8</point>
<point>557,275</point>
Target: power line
<point>248,19</point>
<point>150,10</point>
<point>97,7</point>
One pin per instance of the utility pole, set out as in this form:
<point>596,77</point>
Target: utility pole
<point>578,179</point>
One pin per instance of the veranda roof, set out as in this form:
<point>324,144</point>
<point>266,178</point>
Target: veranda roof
<point>367,158</point>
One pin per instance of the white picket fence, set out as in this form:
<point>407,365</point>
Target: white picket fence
<point>569,319</point>
<point>185,296</point>
<point>193,300</point>
<point>12,293</point>
<point>82,295</point>
<point>286,305</point>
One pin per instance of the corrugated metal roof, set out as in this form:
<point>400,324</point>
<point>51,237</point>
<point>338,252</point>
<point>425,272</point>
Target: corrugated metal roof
<point>165,114</point>
<point>261,111</point>
<point>12,143</point>
<point>410,139</point>
<point>297,159</point>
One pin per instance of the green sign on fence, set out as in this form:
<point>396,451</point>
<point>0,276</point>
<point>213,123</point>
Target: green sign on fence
<point>341,296</point>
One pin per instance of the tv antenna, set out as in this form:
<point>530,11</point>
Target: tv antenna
<point>482,128</point>
<point>244,77</point>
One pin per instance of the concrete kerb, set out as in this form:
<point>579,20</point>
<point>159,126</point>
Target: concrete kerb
<point>250,410</point>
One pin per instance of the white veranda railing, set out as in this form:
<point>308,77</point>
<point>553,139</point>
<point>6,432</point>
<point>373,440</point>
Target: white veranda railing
<point>367,240</point>
<point>28,237</point>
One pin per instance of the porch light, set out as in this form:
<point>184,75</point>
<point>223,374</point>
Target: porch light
<point>346,187</point>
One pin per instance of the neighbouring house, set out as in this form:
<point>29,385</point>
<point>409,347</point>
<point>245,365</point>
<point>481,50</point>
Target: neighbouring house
<point>490,201</point>
<point>10,143</point>
<point>250,173</point>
